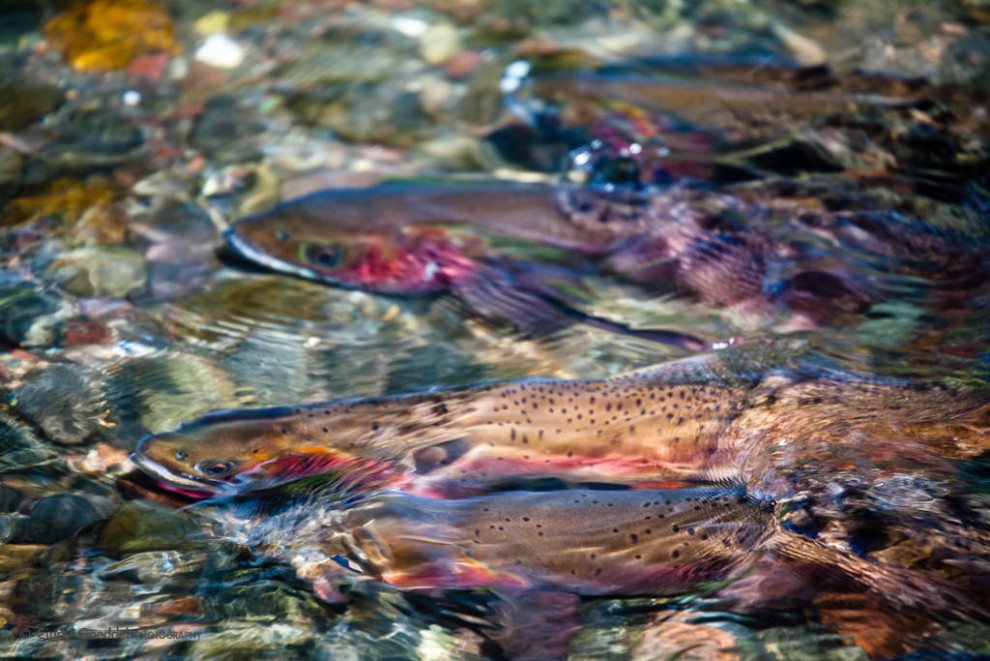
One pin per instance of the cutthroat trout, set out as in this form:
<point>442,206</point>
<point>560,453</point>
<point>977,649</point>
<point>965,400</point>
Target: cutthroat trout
<point>412,241</point>
<point>744,249</point>
<point>588,542</point>
<point>592,542</point>
<point>657,425</point>
<point>613,430</point>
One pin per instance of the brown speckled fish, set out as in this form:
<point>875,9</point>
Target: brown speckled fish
<point>593,542</point>
<point>359,482</point>
<point>656,425</point>
<point>417,240</point>
<point>631,428</point>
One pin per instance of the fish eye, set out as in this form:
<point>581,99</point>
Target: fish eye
<point>329,255</point>
<point>215,467</point>
<point>283,235</point>
<point>180,455</point>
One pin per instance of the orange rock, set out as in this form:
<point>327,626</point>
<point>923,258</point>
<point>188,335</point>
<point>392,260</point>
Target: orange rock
<point>178,606</point>
<point>65,198</point>
<point>96,35</point>
<point>78,332</point>
<point>89,209</point>
<point>463,64</point>
<point>673,636</point>
<point>151,66</point>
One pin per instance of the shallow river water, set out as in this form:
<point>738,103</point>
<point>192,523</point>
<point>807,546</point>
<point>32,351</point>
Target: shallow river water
<point>649,329</point>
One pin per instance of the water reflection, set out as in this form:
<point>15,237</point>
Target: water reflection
<point>814,488</point>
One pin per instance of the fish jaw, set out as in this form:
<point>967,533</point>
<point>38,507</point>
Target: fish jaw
<point>176,460</point>
<point>175,482</point>
<point>245,249</point>
<point>270,469</point>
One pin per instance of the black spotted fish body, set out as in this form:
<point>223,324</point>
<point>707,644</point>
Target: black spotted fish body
<point>638,428</point>
<point>658,425</point>
<point>592,542</point>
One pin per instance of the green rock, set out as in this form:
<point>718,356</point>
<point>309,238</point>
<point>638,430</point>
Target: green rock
<point>113,272</point>
<point>335,63</point>
<point>11,164</point>
<point>63,400</point>
<point>23,103</point>
<point>165,391</point>
<point>139,526</point>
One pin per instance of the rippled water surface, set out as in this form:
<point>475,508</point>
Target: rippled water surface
<point>650,330</point>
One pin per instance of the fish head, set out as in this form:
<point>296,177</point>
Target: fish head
<point>230,452</point>
<point>388,261</point>
<point>222,453</point>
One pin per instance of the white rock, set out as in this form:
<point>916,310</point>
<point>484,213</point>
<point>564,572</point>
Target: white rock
<point>439,43</point>
<point>220,51</point>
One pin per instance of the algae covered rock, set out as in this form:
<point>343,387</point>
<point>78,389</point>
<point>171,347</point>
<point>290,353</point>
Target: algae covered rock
<point>23,102</point>
<point>113,272</point>
<point>139,526</point>
<point>63,400</point>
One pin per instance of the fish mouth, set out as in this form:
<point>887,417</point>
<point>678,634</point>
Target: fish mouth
<point>178,482</point>
<point>237,245</point>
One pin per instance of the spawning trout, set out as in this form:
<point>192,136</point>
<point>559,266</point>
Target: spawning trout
<point>746,112</point>
<point>621,429</point>
<point>675,422</point>
<point>420,240</point>
<point>748,250</point>
<point>590,542</point>
<point>593,542</point>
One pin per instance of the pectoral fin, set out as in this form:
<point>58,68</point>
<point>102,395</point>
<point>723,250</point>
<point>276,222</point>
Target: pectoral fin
<point>536,309</point>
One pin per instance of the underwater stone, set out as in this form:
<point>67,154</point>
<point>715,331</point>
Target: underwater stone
<point>228,131</point>
<point>439,43</point>
<point>63,401</point>
<point>11,164</point>
<point>23,103</point>
<point>26,314</point>
<point>19,449</point>
<point>109,34</point>
<point>113,272</point>
<point>10,498</point>
<point>139,526</point>
<point>100,138</point>
<point>52,519</point>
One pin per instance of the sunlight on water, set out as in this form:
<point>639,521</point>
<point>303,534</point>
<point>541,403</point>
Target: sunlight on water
<point>613,331</point>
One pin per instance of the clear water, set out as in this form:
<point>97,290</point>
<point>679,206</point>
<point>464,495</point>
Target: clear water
<point>119,319</point>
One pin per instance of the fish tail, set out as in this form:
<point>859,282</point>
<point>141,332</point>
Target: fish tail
<point>901,589</point>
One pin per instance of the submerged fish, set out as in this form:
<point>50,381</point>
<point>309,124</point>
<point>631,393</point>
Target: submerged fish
<point>741,111</point>
<point>614,430</point>
<point>590,542</point>
<point>748,249</point>
<point>408,241</point>
<point>593,542</point>
<point>661,424</point>
<point>354,479</point>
